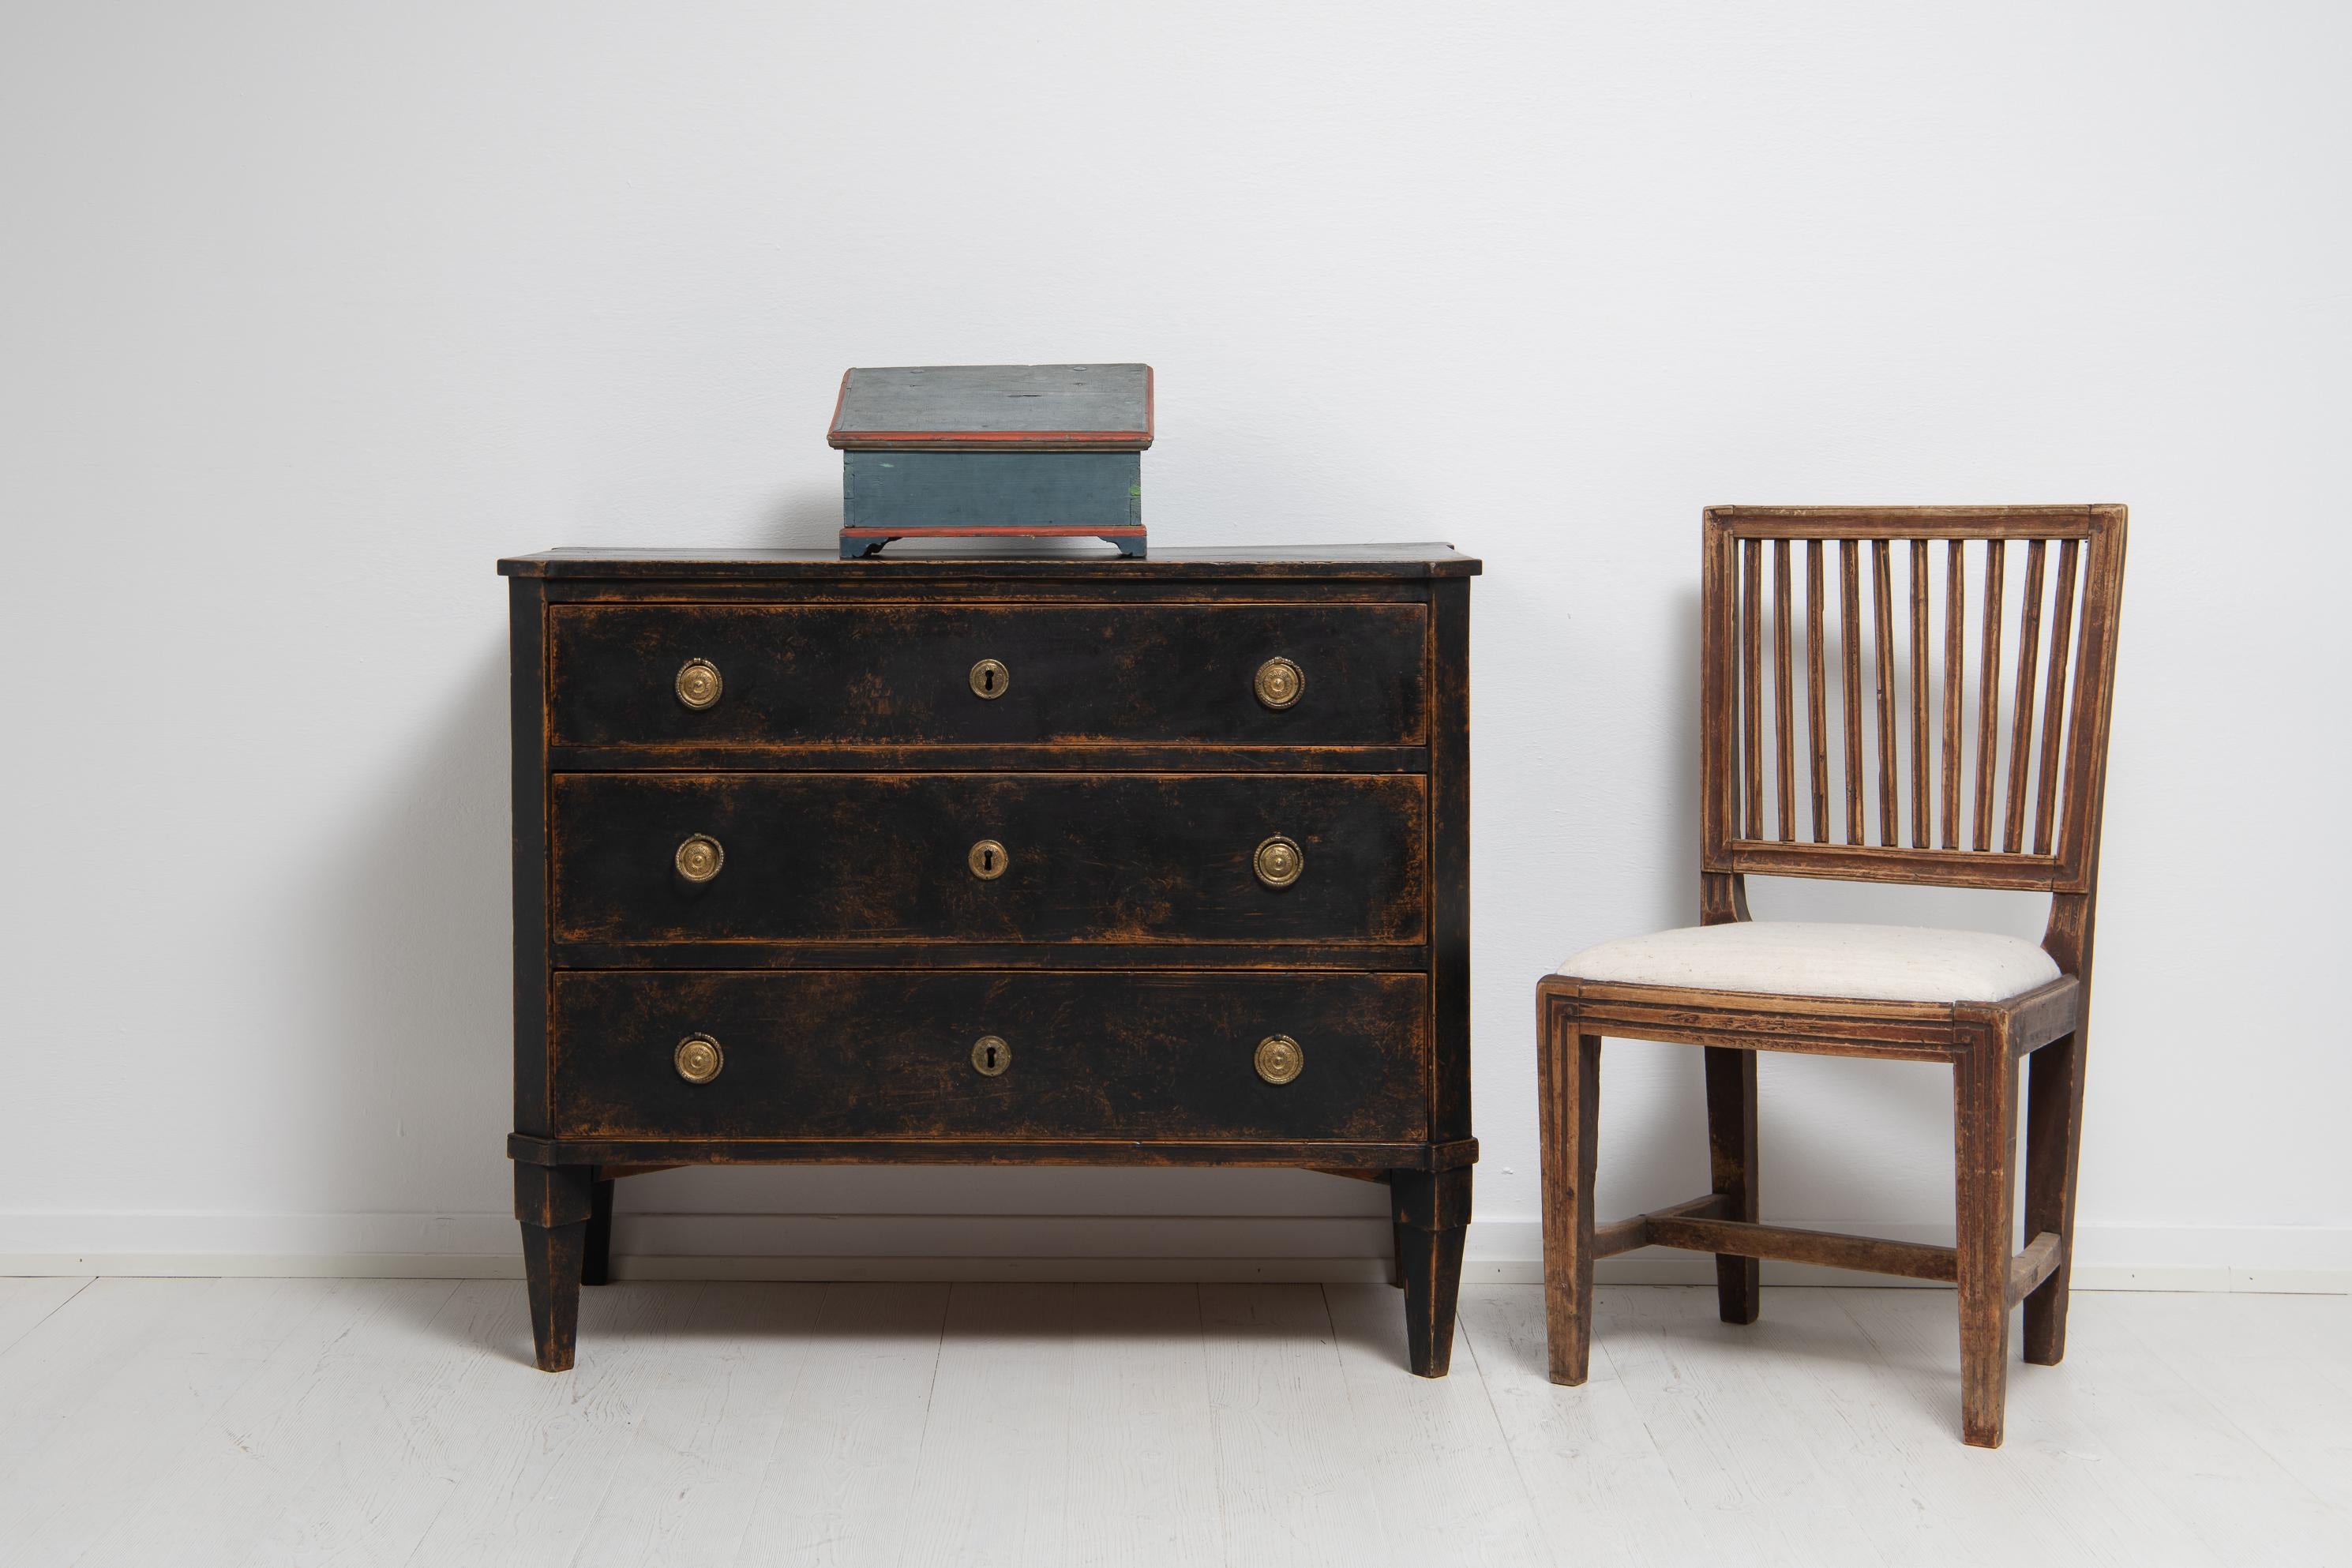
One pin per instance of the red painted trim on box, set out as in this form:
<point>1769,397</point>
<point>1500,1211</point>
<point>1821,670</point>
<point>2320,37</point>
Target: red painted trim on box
<point>898,530</point>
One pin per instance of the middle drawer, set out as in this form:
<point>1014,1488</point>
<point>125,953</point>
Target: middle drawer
<point>993,857</point>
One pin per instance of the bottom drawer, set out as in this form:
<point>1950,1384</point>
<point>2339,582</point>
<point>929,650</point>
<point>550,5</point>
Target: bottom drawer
<point>895,1054</point>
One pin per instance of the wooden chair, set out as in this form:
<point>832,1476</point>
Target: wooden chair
<point>1976,1001</point>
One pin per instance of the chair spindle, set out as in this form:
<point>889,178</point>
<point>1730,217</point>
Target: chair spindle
<point>2053,704</point>
<point>1890,815</point>
<point>1956,577</point>
<point>1751,663</point>
<point>1850,661</point>
<point>2020,736</point>
<point>1923,789</point>
<point>1988,693</point>
<point>1783,700</point>
<point>1816,698</point>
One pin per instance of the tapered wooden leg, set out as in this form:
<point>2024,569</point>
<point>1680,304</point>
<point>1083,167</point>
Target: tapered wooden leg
<point>1568,1091</point>
<point>554,1202</point>
<point>1984,1105</point>
<point>597,1266</point>
<point>1731,1158</point>
<point>2054,1119</point>
<point>1432,1211</point>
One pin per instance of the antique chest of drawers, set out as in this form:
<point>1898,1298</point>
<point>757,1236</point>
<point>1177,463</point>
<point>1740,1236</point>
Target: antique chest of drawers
<point>993,860</point>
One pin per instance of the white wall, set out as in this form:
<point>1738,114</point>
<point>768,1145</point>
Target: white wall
<point>311,313</point>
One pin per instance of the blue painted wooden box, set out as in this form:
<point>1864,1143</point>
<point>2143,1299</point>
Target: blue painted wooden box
<point>993,450</point>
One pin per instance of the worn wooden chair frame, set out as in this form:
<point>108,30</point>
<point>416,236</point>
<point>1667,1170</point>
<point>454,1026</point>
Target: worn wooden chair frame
<point>1982,1042</point>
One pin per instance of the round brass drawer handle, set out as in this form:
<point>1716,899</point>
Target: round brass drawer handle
<point>987,859</point>
<point>699,684</point>
<point>1278,861</point>
<point>1279,1060</point>
<point>699,858</point>
<point>990,1056</point>
<point>698,1058</point>
<point>1279,683</point>
<point>989,678</point>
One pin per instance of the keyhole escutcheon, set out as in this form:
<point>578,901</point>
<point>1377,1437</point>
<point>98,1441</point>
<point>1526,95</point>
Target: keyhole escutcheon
<point>988,859</point>
<point>990,1056</point>
<point>989,678</point>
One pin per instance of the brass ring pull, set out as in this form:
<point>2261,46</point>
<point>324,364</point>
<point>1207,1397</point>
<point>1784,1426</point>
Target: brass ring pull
<point>1279,683</point>
<point>1278,861</point>
<point>1279,1060</point>
<point>990,1056</point>
<point>699,684</point>
<point>698,1058</point>
<point>699,858</point>
<point>989,678</point>
<point>988,859</point>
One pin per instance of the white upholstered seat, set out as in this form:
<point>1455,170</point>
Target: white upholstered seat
<point>1793,958</point>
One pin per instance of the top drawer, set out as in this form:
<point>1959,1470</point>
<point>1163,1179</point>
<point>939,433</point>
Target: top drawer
<point>917,674</point>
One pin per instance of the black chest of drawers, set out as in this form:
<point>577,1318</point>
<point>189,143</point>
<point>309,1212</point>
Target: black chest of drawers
<point>991,861</point>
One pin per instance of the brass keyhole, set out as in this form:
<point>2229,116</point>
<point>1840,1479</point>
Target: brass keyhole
<point>988,859</point>
<point>988,680</point>
<point>990,1056</point>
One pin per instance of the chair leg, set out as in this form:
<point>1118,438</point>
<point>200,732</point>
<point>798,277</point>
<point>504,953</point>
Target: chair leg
<point>1984,1105</point>
<point>2053,1117</point>
<point>1569,1069</point>
<point>1731,1157</point>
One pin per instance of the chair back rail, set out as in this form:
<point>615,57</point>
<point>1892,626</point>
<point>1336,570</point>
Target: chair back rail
<point>1982,768</point>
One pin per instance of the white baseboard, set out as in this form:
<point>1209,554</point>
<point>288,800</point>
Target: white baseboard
<point>1329,1248</point>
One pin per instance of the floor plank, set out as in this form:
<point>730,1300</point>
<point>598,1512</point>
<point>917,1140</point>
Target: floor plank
<point>129,1419</point>
<point>1600,1489</point>
<point>26,1299</point>
<point>1761,1483</point>
<point>990,1488</point>
<point>836,1488</point>
<point>2056,1486</point>
<point>2189,1450</point>
<point>532,1453</point>
<point>2279,1366</point>
<point>1143,1460</point>
<point>686,1487</point>
<point>1442,1472</point>
<point>328,1411</point>
<point>1292,1483</point>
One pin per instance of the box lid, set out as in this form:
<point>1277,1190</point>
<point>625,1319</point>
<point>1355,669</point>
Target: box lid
<point>996,407</point>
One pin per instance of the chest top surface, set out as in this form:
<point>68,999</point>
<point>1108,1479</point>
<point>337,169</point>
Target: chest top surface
<point>1272,563</point>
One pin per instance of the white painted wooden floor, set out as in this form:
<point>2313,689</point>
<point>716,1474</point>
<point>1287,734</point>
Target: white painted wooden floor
<point>172,1423</point>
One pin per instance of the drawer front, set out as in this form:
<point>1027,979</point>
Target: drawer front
<point>889,1054</point>
<point>1084,858</point>
<point>1136,673</point>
